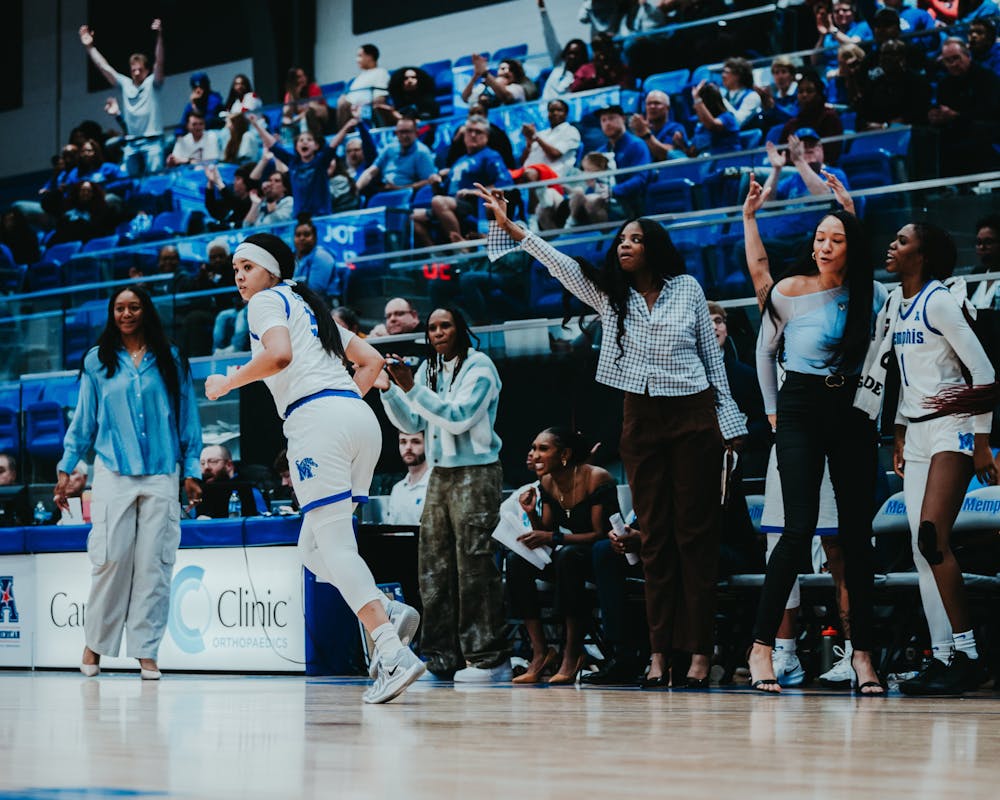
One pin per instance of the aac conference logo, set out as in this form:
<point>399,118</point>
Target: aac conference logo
<point>8,607</point>
<point>189,601</point>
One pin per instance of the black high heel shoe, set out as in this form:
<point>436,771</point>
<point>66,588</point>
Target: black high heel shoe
<point>762,684</point>
<point>859,690</point>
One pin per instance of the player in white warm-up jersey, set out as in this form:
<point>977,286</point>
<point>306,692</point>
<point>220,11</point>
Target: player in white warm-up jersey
<point>942,437</point>
<point>334,439</point>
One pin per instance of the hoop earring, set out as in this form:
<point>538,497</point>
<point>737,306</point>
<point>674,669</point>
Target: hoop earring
<point>814,256</point>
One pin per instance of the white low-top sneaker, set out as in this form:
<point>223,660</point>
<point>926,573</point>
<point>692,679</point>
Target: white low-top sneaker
<point>395,673</point>
<point>498,674</point>
<point>405,619</point>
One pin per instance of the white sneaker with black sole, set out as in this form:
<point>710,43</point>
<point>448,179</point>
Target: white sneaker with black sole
<point>395,673</point>
<point>839,676</point>
<point>405,619</point>
<point>787,669</point>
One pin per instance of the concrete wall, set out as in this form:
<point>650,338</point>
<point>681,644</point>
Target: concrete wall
<point>450,36</point>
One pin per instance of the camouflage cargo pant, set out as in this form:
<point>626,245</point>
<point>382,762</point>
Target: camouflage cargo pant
<point>460,583</point>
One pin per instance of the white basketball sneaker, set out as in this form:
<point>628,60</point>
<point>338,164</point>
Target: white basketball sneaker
<point>841,673</point>
<point>395,673</point>
<point>787,668</point>
<point>405,619</point>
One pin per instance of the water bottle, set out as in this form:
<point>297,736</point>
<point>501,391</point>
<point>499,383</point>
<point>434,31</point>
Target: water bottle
<point>826,648</point>
<point>235,507</point>
<point>41,515</point>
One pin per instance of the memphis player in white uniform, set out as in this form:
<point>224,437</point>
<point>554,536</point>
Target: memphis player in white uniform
<point>942,438</point>
<point>334,439</point>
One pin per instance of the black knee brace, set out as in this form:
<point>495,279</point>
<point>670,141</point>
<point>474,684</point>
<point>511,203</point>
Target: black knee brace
<point>927,542</point>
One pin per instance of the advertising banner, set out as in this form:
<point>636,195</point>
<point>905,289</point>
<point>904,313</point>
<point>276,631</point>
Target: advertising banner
<point>230,609</point>
<point>17,610</point>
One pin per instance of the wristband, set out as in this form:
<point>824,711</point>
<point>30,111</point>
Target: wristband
<point>558,537</point>
<point>647,135</point>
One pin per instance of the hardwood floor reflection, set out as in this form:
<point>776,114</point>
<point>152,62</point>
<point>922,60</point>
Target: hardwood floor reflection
<point>292,737</point>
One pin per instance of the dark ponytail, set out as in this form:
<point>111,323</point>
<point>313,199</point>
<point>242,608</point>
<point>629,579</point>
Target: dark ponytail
<point>574,441</point>
<point>327,330</point>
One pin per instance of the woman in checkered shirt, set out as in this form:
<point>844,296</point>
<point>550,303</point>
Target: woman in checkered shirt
<point>678,415</point>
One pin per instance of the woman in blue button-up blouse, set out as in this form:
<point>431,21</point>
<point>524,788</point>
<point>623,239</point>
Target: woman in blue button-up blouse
<point>137,412</point>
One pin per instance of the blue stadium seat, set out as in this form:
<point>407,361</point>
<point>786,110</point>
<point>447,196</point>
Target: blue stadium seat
<point>43,276</point>
<point>869,169</point>
<point>751,138</point>
<point>334,89</point>
<point>170,222</point>
<point>44,429</point>
<point>78,334</point>
<point>892,142</point>
<point>6,257</point>
<point>669,82</point>
<point>100,243</point>
<point>703,73</point>
<point>12,279</point>
<point>669,196</point>
<point>517,51</point>
<point>395,198</point>
<point>60,253</point>
<point>694,260</point>
<point>10,431</point>
<point>422,198</point>
<point>11,274</point>
<point>434,68</point>
<point>82,270</point>
<point>444,85</point>
<point>774,133</point>
<point>466,60</point>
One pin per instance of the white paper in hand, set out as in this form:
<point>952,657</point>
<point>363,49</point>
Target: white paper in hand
<point>513,523</point>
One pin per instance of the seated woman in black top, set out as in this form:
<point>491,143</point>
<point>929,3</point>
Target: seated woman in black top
<point>575,497</point>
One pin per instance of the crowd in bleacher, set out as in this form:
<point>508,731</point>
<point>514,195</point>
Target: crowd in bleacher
<point>329,147</point>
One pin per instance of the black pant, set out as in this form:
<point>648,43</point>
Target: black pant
<point>816,420</point>
<point>570,569</point>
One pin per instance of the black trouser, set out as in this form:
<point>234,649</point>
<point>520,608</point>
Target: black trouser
<point>570,569</point>
<point>817,421</point>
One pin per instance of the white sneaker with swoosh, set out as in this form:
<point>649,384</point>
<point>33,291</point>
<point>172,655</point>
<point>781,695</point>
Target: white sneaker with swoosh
<point>395,673</point>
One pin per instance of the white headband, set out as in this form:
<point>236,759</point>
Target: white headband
<point>259,256</point>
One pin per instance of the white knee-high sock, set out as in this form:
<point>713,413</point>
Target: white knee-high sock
<point>938,624</point>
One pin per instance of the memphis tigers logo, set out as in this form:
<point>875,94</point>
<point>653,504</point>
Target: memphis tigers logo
<point>306,468</point>
<point>966,441</point>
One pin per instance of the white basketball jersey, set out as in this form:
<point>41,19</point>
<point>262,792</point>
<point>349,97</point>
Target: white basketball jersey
<point>312,369</point>
<point>927,361</point>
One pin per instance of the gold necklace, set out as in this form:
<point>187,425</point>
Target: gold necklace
<point>562,499</point>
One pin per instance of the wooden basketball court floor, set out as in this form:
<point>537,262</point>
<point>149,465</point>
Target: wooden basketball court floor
<point>194,736</point>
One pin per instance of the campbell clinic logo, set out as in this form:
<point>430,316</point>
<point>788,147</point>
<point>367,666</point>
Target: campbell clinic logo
<point>8,608</point>
<point>190,610</point>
